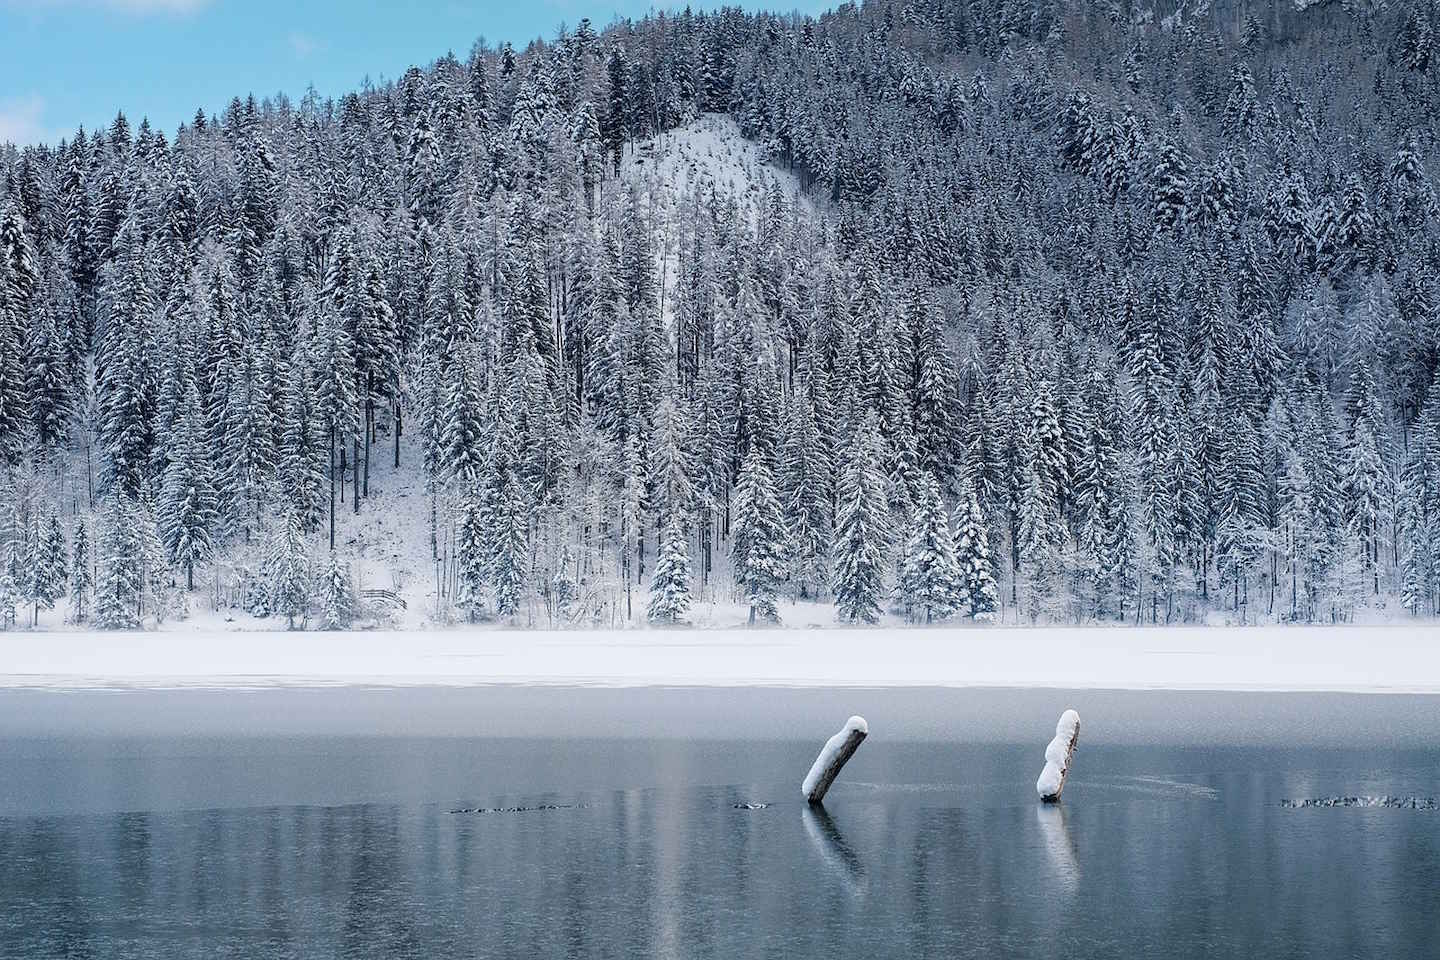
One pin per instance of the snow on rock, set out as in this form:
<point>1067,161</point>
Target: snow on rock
<point>1058,756</point>
<point>834,755</point>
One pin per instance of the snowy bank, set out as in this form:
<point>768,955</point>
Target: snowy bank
<point>1403,659</point>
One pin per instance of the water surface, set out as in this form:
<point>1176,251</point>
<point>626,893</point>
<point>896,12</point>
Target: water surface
<point>129,839</point>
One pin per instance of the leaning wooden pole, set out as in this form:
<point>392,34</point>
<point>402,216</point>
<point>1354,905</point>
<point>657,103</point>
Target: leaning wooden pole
<point>835,754</point>
<point>1058,757</point>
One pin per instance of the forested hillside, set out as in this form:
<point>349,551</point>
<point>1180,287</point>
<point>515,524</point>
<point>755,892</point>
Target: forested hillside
<point>1086,311</point>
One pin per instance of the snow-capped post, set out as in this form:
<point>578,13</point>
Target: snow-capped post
<point>1058,757</point>
<point>835,754</point>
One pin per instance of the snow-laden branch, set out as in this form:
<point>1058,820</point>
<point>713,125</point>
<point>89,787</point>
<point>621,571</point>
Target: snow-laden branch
<point>835,754</point>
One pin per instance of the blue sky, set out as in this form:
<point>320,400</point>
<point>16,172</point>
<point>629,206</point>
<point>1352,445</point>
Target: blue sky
<point>71,62</point>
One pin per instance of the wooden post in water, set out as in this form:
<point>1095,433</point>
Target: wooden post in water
<point>1058,756</point>
<point>835,754</point>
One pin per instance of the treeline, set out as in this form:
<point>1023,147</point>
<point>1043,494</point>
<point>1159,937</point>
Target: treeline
<point>1103,312</point>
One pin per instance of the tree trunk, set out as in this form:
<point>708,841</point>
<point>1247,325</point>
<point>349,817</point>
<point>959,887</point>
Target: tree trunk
<point>332,498</point>
<point>369,436</point>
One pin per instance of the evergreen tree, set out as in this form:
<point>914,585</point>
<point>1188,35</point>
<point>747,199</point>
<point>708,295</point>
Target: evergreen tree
<point>931,585</point>
<point>118,592</point>
<point>471,556</point>
<point>81,576</point>
<point>972,556</point>
<point>670,585</point>
<point>760,538</point>
<point>45,572</point>
<point>286,571</point>
<point>337,595</point>
<point>862,530</point>
<point>188,514</point>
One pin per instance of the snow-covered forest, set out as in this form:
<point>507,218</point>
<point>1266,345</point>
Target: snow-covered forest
<point>934,310</point>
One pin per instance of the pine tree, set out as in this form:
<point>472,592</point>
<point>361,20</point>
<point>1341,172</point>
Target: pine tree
<point>464,424</point>
<point>506,517</point>
<point>46,571</point>
<point>337,595</point>
<point>81,577</point>
<point>972,556</point>
<point>118,592</point>
<point>670,585</point>
<point>471,556</point>
<point>286,571</point>
<point>188,515</point>
<point>931,585</point>
<point>760,538</point>
<point>1170,187</point>
<point>14,406</point>
<point>806,485</point>
<point>862,530</point>
<point>10,593</point>
<point>302,452</point>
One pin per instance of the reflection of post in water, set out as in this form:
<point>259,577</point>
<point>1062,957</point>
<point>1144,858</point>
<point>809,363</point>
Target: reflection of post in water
<point>838,855</point>
<point>1055,834</point>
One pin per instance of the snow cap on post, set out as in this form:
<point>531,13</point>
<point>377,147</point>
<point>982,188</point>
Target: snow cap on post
<point>835,754</point>
<point>1059,754</point>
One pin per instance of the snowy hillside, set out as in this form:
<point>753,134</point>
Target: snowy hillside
<point>707,155</point>
<point>1060,318</point>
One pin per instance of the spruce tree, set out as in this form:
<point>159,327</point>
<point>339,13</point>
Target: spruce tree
<point>118,592</point>
<point>862,530</point>
<point>972,556</point>
<point>472,575</point>
<point>670,584</point>
<point>81,576</point>
<point>46,570</point>
<point>188,508</point>
<point>931,583</point>
<point>286,571</point>
<point>759,538</point>
<point>337,595</point>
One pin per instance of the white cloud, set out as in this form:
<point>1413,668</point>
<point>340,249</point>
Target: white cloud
<point>302,44</point>
<point>22,122</point>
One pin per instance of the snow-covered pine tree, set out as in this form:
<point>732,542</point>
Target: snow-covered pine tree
<point>464,422</point>
<point>122,578</point>
<point>670,584</point>
<point>337,594</point>
<point>45,573</point>
<point>760,539</point>
<point>187,495</point>
<point>931,583</point>
<point>10,592</point>
<point>1170,187</point>
<point>82,578</point>
<point>302,459</point>
<point>286,571</point>
<point>862,530</point>
<point>806,484</point>
<point>506,518</point>
<point>471,555</point>
<point>972,556</point>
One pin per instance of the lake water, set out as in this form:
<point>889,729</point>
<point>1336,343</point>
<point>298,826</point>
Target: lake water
<point>282,824</point>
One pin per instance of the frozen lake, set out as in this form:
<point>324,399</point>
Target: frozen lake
<point>319,823</point>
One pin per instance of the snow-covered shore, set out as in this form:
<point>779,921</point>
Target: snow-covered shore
<point>1400,658</point>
